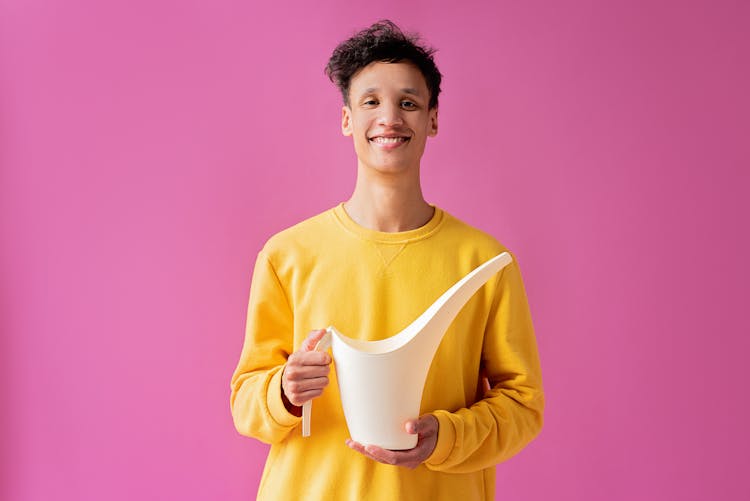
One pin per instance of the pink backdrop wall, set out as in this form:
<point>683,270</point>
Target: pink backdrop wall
<point>149,148</point>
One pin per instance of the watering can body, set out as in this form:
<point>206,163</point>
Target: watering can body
<point>381,382</point>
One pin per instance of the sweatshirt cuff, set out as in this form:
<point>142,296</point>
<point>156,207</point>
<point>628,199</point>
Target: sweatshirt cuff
<point>276,406</point>
<point>445,441</point>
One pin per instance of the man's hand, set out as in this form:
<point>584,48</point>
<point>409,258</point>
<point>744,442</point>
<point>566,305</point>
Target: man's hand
<point>305,374</point>
<point>427,429</point>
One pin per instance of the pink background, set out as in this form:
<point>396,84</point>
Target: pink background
<point>149,148</point>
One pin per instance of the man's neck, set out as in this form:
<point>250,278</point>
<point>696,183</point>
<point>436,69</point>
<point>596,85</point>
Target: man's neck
<point>388,204</point>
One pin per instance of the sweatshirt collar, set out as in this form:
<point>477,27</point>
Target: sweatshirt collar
<point>423,231</point>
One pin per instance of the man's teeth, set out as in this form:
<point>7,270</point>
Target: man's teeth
<point>388,140</point>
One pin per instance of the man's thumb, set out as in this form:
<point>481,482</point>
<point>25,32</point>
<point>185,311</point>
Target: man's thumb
<point>421,425</point>
<point>312,339</point>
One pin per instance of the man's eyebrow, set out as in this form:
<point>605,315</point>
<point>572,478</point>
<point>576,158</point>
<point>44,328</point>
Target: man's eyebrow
<point>406,90</point>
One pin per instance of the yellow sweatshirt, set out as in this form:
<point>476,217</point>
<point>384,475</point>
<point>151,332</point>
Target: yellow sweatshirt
<point>328,270</point>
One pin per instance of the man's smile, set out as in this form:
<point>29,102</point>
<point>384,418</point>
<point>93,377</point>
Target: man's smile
<point>388,141</point>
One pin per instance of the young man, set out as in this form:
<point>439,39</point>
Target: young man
<point>370,266</point>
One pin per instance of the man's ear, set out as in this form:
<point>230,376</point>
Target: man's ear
<point>433,122</point>
<point>346,121</point>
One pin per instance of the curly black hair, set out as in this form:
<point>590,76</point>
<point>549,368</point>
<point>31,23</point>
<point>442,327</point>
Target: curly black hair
<point>382,42</point>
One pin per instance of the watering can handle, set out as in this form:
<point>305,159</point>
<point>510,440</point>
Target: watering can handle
<point>322,345</point>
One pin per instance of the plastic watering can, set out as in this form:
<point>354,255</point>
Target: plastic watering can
<point>381,382</point>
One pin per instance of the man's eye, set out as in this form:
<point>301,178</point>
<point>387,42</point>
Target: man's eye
<point>408,104</point>
<point>370,102</point>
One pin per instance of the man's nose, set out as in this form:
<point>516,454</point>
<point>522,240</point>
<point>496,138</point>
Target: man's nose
<point>390,116</point>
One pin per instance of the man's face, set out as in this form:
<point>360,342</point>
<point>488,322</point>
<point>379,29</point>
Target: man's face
<point>388,116</point>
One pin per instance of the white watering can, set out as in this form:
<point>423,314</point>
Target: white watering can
<point>381,382</point>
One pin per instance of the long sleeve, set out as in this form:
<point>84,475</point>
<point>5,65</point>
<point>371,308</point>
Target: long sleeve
<point>511,413</point>
<point>257,408</point>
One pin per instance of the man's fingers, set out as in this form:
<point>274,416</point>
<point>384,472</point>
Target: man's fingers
<point>310,358</point>
<point>300,398</point>
<point>410,458</point>
<point>298,387</point>
<point>373,452</point>
<point>312,339</point>
<point>353,444</point>
<point>382,455</point>
<point>300,372</point>
<point>356,446</point>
